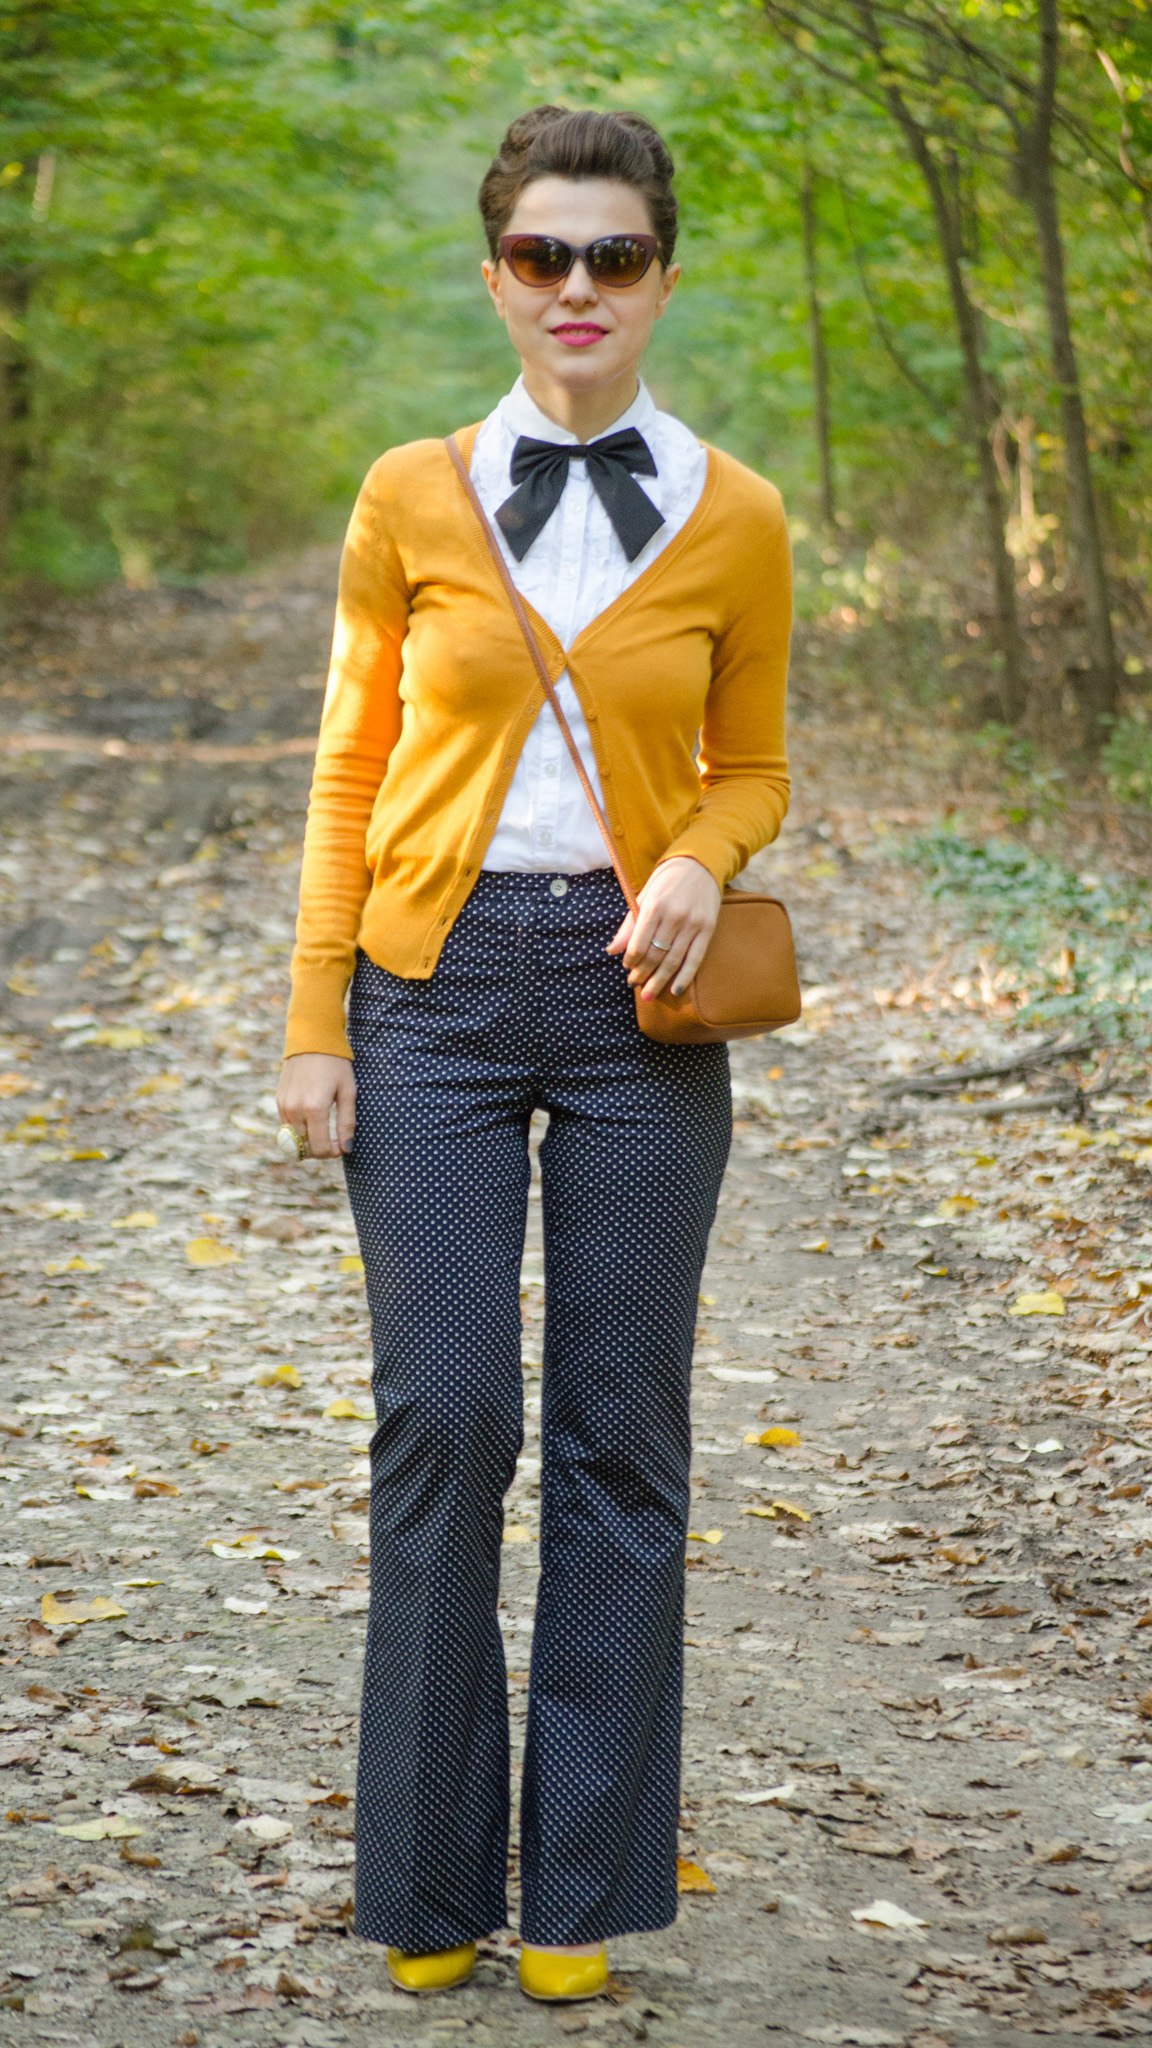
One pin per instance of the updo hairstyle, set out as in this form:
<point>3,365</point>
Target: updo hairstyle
<point>554,142</point>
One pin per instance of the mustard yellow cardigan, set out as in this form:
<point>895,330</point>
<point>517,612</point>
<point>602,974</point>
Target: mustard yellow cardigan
<point>432,693</point>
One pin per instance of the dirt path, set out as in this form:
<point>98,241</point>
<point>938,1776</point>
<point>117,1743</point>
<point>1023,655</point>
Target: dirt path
<point>915,1658</point>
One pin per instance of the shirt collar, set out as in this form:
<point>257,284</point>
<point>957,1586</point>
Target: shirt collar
<point>521,415</point>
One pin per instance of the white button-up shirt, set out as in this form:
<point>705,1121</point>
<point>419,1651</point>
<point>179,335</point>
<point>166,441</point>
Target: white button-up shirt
<point>573,571</point>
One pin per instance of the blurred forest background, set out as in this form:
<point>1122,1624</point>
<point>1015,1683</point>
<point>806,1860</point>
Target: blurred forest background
<point>239,256</point>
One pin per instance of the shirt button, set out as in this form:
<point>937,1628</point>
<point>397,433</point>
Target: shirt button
<point>549,767</point>
<point>545,838</point>
<point>559,887</point>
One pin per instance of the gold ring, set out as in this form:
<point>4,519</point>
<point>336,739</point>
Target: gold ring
<point>290,1142</point>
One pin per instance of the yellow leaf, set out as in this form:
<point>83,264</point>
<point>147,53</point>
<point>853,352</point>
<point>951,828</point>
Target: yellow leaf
<point>252,1546</point>
<point>709,1300</point>
<point>815,1244</point>
<point>279,1376</point>
<point>55,1613</point>
<point>14,1084</point>
<point>709,1536</point>
<point>515,1532</point>
<point>691,1878</point>
<point>352,1264</point>
<point>775,1439</point>
<point>208,1251</point>
<point>120,1037</point>
<point>109,1827</point>
<point>765,1514</point>
<point>73,1265</point>
<point>139,1219</point>
<point>345,1410</point>
<point>93,1152</point>
<point>956,1205</point>
<point>787,1507</point>
<point>1045,1303</point>
<point>160,1084</point>
<point>152,1487</point>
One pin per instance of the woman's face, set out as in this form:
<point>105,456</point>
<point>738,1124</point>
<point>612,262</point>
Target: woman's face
<point>579,334</point>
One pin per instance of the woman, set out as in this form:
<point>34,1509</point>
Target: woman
<point>453,872</point>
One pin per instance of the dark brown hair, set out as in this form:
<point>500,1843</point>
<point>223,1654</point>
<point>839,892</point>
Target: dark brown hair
<point>555,142</point>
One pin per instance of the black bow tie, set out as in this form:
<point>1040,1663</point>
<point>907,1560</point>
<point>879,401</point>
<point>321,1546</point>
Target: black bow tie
<point>540,468</point>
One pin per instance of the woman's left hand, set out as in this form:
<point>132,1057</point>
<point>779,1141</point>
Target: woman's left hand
<point>679,905</point>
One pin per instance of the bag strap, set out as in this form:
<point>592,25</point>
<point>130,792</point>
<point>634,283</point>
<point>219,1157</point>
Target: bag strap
<point>546,682</point>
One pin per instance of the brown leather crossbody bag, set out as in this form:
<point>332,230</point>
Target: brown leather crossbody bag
<point>747,983</point>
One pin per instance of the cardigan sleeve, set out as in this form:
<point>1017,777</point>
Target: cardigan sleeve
<point>743,754</point>
<point>358,730</point>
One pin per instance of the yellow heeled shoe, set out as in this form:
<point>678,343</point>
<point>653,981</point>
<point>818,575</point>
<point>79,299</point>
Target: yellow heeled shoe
<point>560,1979</point>
<point>440,1971</point>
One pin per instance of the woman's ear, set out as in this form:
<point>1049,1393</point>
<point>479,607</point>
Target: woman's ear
<point>667,287</point>
<point>491,275</point>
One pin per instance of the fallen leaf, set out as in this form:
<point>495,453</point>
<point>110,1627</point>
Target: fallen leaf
<point>788,1507</point>
<point>956,1205</point>
<point>109,1827</point>
<point>759,1375</point>
<point>815,1244</point>
<point>345,1410</point>
<point>73,1265</point>
<point>883,1913</point>
<point>178,1775</point>
<point>690,1877</point>
<point>237,1606</point>
<point>60,1614</point>
<point>1046,1303</point>
<point>1125,1815</point>
<point>160,1084</point>
<point>208,1251</point>
<point>119,1037</point>
<point>708,1536</point>
<point>772,1795</point>
<point>139,1219</point>
<point>774,1439</point>
<point>252,1547</point>
<point>352,1263</point>
<point>515,1532</point>
<point>152,1487</point>
<point>265,1828</point>
<point>765,1514</point>
<point>278,1376</point>
<point>1017,1937</point>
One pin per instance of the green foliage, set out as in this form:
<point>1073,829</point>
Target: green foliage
<point>1081,944</point>
<point>1127,759</point>
<point>239,249</point>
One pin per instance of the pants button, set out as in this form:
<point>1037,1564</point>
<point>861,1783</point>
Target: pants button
<point>559,887</point>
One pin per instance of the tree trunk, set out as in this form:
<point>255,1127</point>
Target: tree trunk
<point>1100,695</point>
<point>15,395</point>
<point>821,414</point>
<point>981,407</point>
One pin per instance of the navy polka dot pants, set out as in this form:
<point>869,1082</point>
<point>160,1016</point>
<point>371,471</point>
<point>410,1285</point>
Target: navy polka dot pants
<point>525,1010</point>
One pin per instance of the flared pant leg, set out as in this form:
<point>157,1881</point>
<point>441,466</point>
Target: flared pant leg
<point>631,1167</point>
<point>525,1010</point>
<point>438,1181</point>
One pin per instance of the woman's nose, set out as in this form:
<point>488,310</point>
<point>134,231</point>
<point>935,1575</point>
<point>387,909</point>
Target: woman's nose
<point>578,288</point>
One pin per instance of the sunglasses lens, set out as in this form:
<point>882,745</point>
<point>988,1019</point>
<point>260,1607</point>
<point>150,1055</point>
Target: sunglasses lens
<point>617,260</point>
<point>539,259</point>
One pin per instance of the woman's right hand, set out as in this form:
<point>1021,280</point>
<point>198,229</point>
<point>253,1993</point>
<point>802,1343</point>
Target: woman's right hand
<point>312,1085</point>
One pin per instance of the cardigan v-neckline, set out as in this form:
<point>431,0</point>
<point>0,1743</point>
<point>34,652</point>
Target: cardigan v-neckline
<point>466,439</point>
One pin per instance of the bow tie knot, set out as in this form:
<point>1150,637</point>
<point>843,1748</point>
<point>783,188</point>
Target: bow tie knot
<point>540,471</point>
